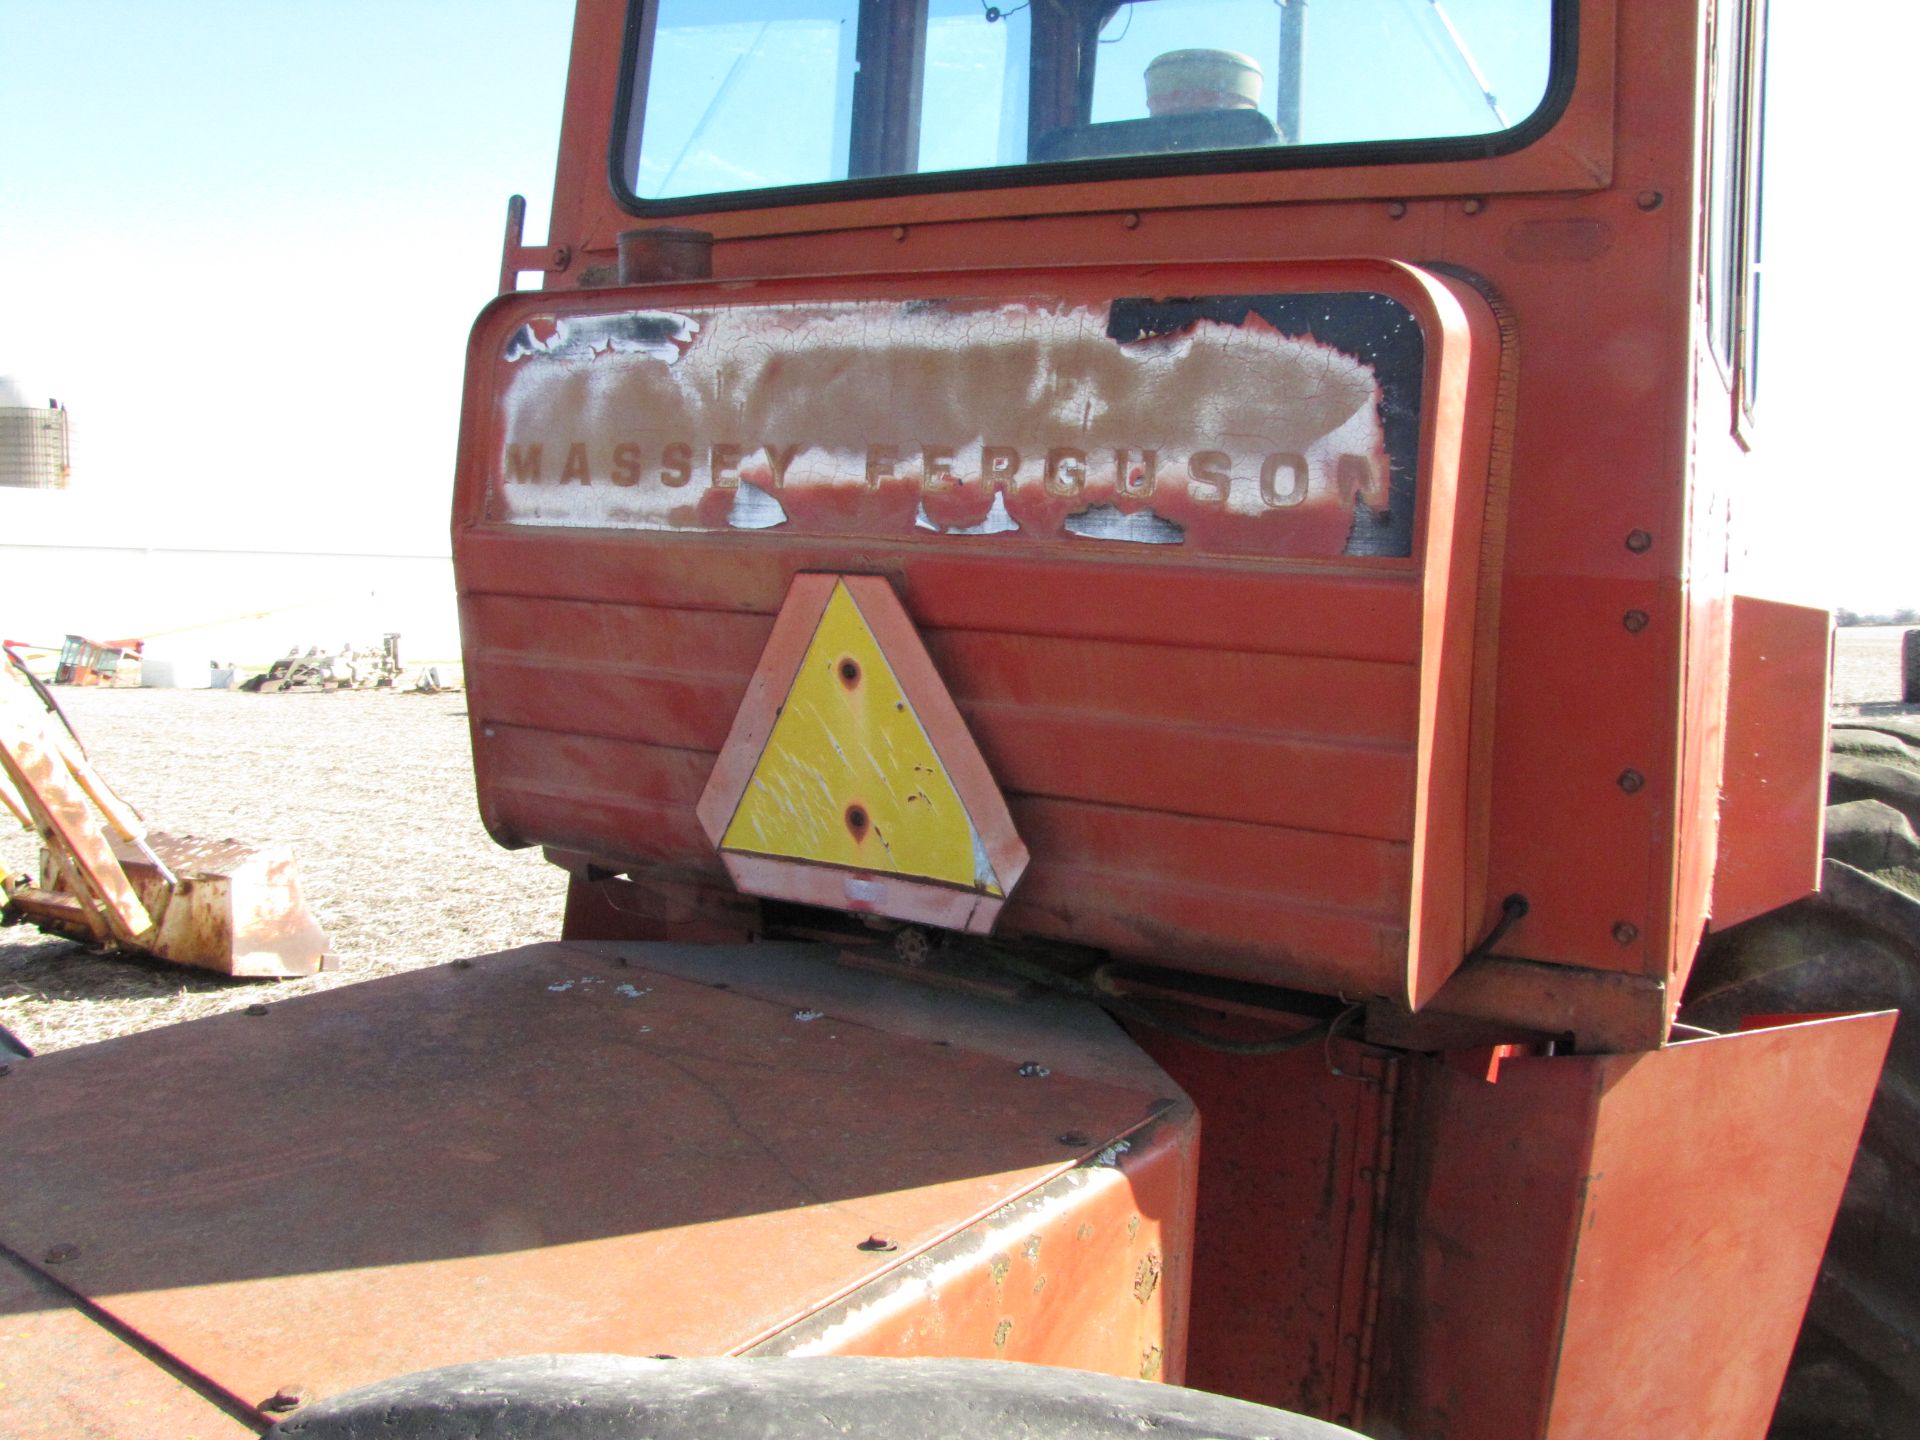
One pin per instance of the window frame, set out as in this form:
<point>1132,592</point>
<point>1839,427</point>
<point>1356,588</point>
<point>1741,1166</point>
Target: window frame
<point>1730,319</point>
<point>630,108</point>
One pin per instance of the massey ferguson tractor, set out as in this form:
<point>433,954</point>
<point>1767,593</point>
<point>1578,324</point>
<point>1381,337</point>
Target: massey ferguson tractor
<point>1121,618</point>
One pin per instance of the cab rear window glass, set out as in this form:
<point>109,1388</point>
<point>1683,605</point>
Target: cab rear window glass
<point>734,98</point>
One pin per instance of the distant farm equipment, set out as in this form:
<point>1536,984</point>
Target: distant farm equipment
<point>351,667</point>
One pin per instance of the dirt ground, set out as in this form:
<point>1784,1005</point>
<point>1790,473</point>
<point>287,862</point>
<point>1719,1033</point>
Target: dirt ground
<point>374,791</point>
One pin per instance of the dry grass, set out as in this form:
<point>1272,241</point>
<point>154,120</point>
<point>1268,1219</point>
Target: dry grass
<point>374,791</point>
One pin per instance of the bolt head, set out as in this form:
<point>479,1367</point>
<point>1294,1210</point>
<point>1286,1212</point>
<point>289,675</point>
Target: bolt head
<point>1034,1070</point>
<point>1639,541</point>
<point>1625,932</point>
<point>61,1254</point>
<point>878,1243</point>
<point>1131,220</point>
<point>1473,205</point>
<point>1631,781</point>
<point>1635,621</point>
<point>1649,200</point>
<point>1396,209</point>
<point>256,1009</point>
<point>1075,1139</point>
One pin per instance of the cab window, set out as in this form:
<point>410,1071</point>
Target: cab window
<point>739,98</point>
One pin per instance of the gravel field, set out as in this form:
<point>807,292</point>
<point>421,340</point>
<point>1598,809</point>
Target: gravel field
<point>374,791</point>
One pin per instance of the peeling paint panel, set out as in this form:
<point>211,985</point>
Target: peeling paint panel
<point>1283,425</point>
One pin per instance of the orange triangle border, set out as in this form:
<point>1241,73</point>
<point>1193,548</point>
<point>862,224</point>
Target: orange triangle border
<point>834,887</point>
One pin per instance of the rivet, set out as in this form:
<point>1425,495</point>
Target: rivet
<point>1635,621</point>
<point>1034,1070</point>
<point>1639,541</point>
<point>463,964</point>
<point>1396,210</point>
<point>256,1009</point>
<point>562,257</point>
<point>1649,200</point>
<point>1077,1139</point>
<point>899,233</point>
<point>1631,781</point>
<point>1625,932</point>
<point>60,1254</point>
<point>877,1242</point>
<point>1131,220</point>
<point>1473,205</point>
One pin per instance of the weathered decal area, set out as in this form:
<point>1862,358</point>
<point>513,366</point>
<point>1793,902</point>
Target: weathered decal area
<point>1275,425</point>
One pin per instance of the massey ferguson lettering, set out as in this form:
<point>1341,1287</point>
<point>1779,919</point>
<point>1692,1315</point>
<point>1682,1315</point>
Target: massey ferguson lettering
<point>1057,422</point>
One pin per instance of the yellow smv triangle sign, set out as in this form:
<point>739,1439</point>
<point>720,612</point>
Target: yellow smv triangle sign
<point>848,776</point>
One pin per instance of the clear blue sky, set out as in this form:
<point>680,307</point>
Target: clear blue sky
<point>244,242</point>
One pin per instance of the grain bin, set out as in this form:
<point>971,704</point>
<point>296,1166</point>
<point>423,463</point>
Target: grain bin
<point>34,451</point>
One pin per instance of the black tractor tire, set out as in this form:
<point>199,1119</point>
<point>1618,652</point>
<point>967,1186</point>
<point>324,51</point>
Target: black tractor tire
<point>619,1397</point>
<point>1855,1374</point>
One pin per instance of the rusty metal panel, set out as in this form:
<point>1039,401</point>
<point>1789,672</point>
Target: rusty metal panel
<point>65,1376</point>
<point>1089,1271</point>
<point>1184,489</point>
<point>545,1150</point>
<point>1621,1244</point>
<point>1287,1232</point>
<point>1774,790</point>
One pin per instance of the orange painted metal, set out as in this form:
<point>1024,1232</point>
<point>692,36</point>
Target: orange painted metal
<point>1036,1281</point>
<point>1774,791</point>
<point>562,1148</point>
<point>1615,1245</point>
<point>66,1376</point>
<point>1290,1214</point>
<point>1174,790</point>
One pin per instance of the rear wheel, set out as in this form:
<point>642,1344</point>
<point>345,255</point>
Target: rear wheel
<point>613,1397</point>
<point>1856,946</point>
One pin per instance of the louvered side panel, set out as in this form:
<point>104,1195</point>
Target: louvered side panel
<point>1176,799</point>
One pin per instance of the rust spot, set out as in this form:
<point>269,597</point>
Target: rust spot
<point>1146,1279</point>
<point>1001,1332</point>
<point>1039,1284</point>
<point>857,821</point>
<point>849,671</point>
<point>1133,1226</point>
<point>1085,1232</point>
<point>998,1269</point>
<point>1150,1363</point>
<point>1032,1248</point>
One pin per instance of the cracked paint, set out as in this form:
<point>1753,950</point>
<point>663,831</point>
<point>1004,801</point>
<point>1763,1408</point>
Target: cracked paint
<point>1202,422</point>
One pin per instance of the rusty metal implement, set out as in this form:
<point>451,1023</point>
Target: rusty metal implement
<point>107,880</point>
